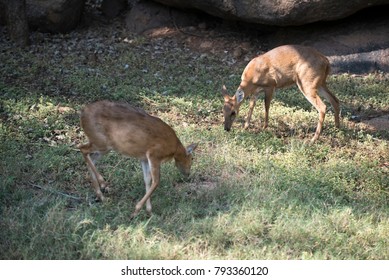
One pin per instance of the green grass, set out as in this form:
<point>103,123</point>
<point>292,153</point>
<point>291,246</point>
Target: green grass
<point>252,194</point>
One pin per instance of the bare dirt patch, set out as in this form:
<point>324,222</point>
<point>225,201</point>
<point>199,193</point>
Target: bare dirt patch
<point>375,124</point>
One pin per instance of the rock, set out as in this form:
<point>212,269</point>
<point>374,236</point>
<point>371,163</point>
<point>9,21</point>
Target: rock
<point>379,123</point>
<point>112,8</point>
<point>2,13</point>
<point>57,16</point>
<point>237,53</point>
<point>203,25</point>
<point>360,63</point>
<point>206,45</point>
<point>279,13</point>
<point>64,109</point>
<point>17,22</point>
<point>147,15</point>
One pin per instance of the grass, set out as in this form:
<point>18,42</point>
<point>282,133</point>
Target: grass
<point>252,194</point>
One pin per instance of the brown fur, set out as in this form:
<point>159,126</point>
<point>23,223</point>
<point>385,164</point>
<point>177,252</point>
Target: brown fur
<point>282,67</point>
<point>134,133</point>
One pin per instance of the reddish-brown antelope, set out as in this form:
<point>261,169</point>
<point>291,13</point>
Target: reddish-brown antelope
<point>134,133</point>
<point>282,67</point>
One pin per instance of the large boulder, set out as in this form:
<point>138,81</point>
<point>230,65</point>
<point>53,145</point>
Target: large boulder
<point>361,63</point>
<point>146,15</point>
<point>112,8</point>
<point>52,15</point>
<point>280,12</point>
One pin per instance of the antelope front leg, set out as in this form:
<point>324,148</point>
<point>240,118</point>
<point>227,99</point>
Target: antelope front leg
<point>147,179</point>
<point>155,176</point>
<point>97,180</point>
<point>253,100</point>
<point>269,92</point>
<point>316,101</point>
<point>95,157</point>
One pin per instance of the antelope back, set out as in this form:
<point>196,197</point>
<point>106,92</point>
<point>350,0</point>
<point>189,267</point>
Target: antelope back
<point>128,130</point>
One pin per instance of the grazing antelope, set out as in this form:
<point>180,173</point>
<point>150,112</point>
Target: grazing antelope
<point>282,67</point>
<point>134,133</point>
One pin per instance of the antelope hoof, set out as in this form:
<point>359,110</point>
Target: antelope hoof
<point>133,215</point>
<point>100,198</point>
<point>103,184</point>
<point>105,189</point>
<point>314,138</point>
<point>136,212</point>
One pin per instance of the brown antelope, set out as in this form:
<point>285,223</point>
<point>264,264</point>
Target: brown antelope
<point>282,67</point>
<point>134,133</point>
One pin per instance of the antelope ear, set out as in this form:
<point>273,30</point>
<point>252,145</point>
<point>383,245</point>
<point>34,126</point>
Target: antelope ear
<point>225,93</point>
<point>239,95</point>
<point>191,148</point>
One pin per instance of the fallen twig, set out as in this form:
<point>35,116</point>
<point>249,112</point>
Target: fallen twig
<point>54,191</point>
